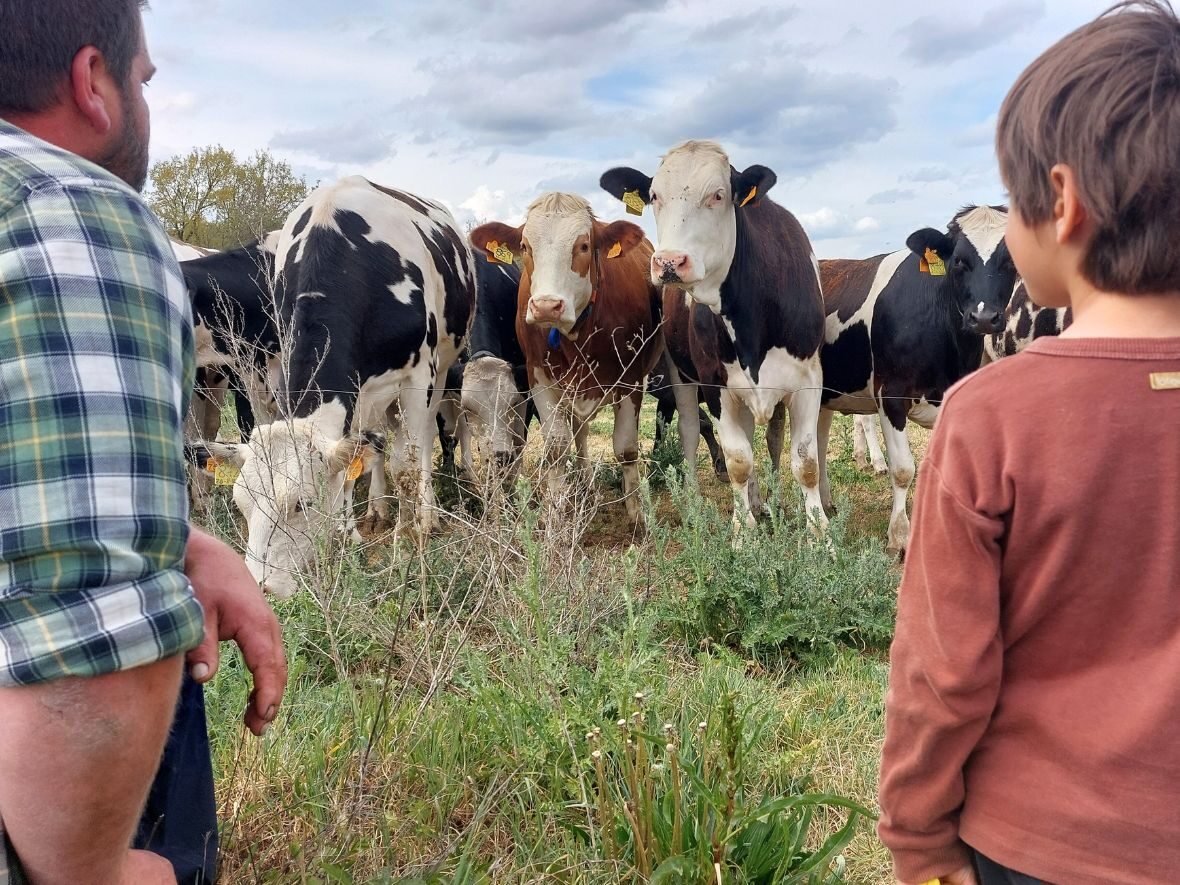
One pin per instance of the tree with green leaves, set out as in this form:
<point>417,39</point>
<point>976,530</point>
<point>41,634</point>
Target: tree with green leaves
<point>209,198</point>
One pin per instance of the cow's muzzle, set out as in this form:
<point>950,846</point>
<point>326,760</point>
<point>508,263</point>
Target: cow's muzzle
<point>670,267</point>
<point>983,320</point>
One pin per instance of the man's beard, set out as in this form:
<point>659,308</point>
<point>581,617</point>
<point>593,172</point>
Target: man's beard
<point>128,157</point>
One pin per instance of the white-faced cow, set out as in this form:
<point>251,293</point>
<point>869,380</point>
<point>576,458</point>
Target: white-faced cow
<point>902,328</point>
<point>742,288</point>
<point>375,292</point>
<point>495,387</point>
<point>1024,322</point>
<point>588,321</point>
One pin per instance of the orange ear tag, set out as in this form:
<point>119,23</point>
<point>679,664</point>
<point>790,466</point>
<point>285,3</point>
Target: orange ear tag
<point>753,193</point>
<point>355,468</point>
<point>225,474</point>
<point>937,268</point>
<point>615,251</point>
<point>923,266</point>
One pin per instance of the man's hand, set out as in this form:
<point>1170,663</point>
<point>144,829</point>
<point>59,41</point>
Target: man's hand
<point>235,609</point>
<point>964,875</point>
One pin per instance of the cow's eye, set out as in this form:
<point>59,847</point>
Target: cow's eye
<point>585,247</point>
<point>719,196</point>
<point>960,264</point>
<point>655,198</point>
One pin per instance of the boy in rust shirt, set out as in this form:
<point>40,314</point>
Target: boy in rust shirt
<point>1033,716</point>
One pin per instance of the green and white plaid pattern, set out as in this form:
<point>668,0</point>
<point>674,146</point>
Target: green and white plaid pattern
<point>95,371</point>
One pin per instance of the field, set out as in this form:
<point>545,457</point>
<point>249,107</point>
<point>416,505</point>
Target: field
<point>543,695</point>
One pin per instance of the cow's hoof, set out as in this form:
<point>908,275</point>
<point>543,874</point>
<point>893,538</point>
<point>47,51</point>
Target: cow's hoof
<point>880,469</point>
<point>830,510</point>
<point>373,524</point>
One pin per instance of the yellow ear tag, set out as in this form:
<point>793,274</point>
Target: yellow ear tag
<point>615,251</point>
<point>937,268</point>
<point>224,474</point>
<point>503,254</point>
<point>633,202</point>
<point>753,193</point>
<point>355,468</point>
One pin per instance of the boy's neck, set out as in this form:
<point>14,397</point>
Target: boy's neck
<point>1106,315</point>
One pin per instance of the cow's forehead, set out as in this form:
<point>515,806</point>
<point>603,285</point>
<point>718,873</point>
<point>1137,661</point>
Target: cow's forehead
<point>694,164</point>
<point>983,227</point>
<point>558,226</point>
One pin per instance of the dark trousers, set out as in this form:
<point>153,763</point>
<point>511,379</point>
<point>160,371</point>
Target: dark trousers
<point>179,821</point>
<point>988,872</point>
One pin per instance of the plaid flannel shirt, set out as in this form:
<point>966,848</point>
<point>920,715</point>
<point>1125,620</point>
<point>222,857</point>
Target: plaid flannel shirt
<point>95,370</point>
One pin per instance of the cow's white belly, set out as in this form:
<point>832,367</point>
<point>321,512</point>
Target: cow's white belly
<point>779,377</point>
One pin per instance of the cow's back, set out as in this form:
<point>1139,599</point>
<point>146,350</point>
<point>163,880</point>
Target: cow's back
<point>366,275</point>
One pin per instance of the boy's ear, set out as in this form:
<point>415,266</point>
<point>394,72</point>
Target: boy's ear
<point>619,238</point>
<point>622,179</point>
<point>499,233</point>
<point>929,238</point>
<point>750,187</point>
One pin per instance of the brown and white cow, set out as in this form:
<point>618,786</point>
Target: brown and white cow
<point>588,321</point>
<point>744,294</point>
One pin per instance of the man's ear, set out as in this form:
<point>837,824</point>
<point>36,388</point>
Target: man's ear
<point>929,238</point>
<point>622,179</point>
<point>751,186</point>
<point>499,233</point>
<point>93,88</point>
<point>618,238</point>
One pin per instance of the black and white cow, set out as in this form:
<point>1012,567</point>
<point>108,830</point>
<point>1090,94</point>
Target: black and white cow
<point>1024,322</point>
<point>375,292</point>
<point>902,328</point>
<point>741,279</point>
<point>233,311</point>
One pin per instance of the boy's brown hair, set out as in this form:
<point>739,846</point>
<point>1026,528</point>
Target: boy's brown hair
<point>1105,101</point>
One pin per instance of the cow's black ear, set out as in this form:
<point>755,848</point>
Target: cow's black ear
<point>622,179</point>
<point>751,186</point>
<point>929,238</point>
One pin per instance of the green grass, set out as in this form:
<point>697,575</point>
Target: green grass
<point>437,723</point>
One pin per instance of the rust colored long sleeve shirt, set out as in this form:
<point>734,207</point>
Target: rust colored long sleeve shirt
<point>1034,697</point>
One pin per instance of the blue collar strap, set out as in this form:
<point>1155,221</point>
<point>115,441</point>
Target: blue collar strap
<point>555,335</point>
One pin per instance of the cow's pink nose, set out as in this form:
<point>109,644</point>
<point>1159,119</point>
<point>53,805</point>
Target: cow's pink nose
<point>670,267</point>
<point>546,310</point>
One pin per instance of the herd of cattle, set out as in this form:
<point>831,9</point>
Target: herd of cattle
<point>369,318</point>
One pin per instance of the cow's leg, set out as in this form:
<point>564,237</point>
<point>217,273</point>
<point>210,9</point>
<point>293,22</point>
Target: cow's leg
<point>865,448</point>
<point>688,421</point>
<point>776,433</point>
<point>823,430</point>
<point>626,440</point>
<point>805,412</point>
<point>737,442</point>
<point>555,430</point>
<point>376,518</point>
<point>464,436</point>
<point>901,467</point>
<point>715,455</point>
<point>419,412</point>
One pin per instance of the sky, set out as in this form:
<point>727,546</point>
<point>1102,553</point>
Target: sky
<point>878,118</point>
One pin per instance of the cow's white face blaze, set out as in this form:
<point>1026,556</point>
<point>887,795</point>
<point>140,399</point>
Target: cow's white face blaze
<point>494,405</point>
<point>558,244</point>
<point>696,222</point>
<point>290,491</point>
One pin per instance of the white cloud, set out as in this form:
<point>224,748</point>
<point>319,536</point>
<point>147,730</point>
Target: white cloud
<point>865,225</point>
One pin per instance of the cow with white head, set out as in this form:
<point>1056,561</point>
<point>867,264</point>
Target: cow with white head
<point>753,318</point>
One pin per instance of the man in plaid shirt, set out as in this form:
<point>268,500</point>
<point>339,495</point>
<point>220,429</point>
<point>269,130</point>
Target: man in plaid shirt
<point>105,590</point>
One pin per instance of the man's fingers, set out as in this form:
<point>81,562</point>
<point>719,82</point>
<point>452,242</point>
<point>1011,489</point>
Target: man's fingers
<point>262,650</point>
<point>203,660</point>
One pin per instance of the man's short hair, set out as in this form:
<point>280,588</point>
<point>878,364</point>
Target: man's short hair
<point>1105,101</point>
<point>39,39</point>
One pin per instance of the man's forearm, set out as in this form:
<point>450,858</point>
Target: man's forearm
<point>76,759</point>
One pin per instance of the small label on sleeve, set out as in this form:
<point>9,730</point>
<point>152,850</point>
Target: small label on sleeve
<point>1165,380</point>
